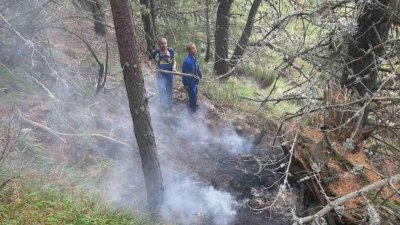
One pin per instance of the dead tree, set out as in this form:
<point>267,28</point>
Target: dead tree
<point>138,103</point>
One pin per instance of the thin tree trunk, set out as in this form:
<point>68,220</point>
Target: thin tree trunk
<point>97,12</point>
<point>221,65</point>
<point>134,83</point>
<point>99,18</point>
<point>208,32</point>
<point>153,12</point>
<point>148,25</point>
<point>244,39</point>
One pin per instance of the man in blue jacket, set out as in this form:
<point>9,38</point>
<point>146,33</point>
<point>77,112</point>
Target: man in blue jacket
<point>190,65</point>
<point>165,59</point>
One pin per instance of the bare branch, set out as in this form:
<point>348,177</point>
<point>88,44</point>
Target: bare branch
<point>340,201</point>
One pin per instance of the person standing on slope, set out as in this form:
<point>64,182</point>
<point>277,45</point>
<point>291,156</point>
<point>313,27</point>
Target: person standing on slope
<point>191,66</point>
<point>165,59</point>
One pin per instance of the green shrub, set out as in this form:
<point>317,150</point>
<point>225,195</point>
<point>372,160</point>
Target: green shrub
<point>235,91</point>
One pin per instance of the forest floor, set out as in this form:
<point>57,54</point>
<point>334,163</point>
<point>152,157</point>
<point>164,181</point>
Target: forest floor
<point>207,159</point>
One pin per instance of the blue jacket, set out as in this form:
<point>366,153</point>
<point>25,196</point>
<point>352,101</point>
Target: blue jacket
<point>191,65</point>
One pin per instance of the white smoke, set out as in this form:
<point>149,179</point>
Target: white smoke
<point>190,202</point>
<point>187,200</point>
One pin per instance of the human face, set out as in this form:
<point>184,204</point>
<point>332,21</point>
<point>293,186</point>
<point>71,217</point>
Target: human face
<point>193,50</point>
<point>162,44</point>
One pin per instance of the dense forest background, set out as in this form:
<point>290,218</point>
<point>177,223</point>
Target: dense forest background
<point>298,116</point>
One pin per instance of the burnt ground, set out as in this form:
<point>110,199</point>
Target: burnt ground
<point>222,153</point>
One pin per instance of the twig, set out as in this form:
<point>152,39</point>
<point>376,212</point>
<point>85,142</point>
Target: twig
<point>285,182</point>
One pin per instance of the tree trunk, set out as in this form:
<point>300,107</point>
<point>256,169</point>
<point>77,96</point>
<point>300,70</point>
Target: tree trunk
<point>97,12</point>
<point>134,83</point>
<point>208,32</point>
<point>148,25</point>
<point>373,29</point>
<point>153,12</point>
<point>221,65</point>
<point>244,39</point>
<point>99,18</point>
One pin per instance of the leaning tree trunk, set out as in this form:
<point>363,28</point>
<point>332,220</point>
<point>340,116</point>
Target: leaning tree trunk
<point>148,25</point>
<point>244,39</point>
<point>134,83</point>
<point>366,48</point>
<point>221,65</point>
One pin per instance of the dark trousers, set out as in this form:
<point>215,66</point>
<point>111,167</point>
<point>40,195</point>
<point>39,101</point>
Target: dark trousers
<point>192,92</point>
<point>164,84</point>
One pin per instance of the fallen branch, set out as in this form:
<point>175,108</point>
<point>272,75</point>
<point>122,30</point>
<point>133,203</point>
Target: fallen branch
<point>277,100</point>
<point>44,87</point>
<point>340,201</point>
<point>60,134</point>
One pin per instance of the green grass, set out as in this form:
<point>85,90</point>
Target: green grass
<point>231,93</point>
<point>262,74</point>
<point>45,191</point>
<point>20,205</point>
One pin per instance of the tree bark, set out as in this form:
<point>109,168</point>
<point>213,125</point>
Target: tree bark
<point>221,65</point>
<point>208,32</point>
<point>134,83</point>
<point>373,28</point>
<point>148,25</point>
<point>244,39</point>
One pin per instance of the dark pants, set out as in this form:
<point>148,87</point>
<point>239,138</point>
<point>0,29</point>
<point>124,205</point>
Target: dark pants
<point>164,84</point>
<point>192,92</point>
